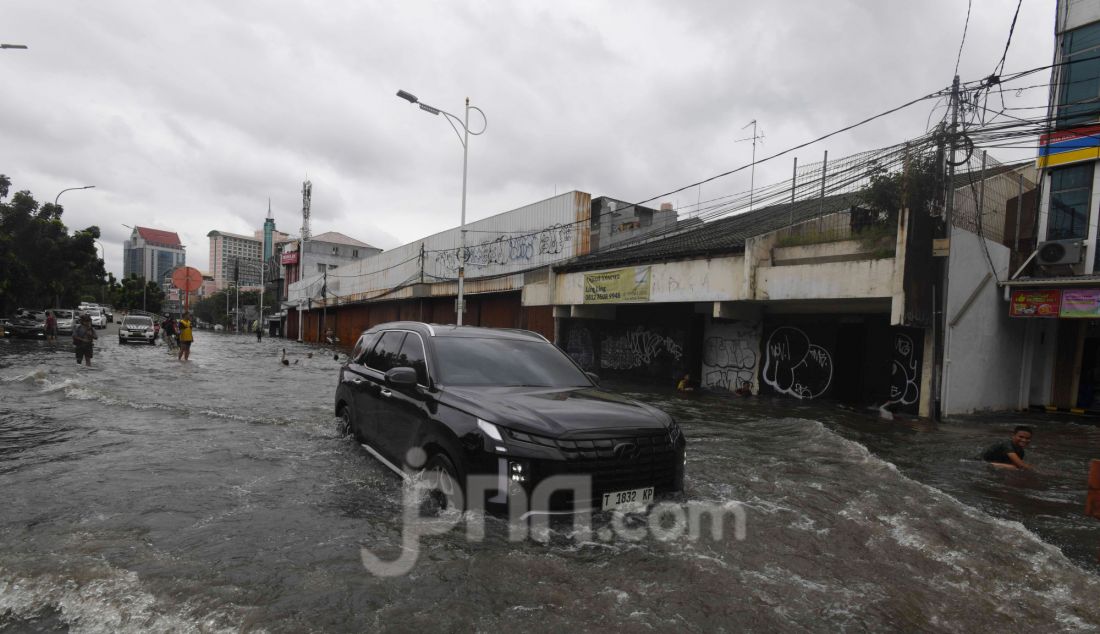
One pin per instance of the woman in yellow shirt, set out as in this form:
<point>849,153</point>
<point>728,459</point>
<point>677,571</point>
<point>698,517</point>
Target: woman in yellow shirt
<point>185,337</point>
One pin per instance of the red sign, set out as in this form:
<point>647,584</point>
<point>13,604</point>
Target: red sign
<point>289,258</point>
<point>1046,303</point>
<point>187,279</point>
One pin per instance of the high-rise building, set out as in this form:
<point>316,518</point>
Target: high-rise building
<point>269,233</point>
<point>152,253</point>
<point>234,259</point>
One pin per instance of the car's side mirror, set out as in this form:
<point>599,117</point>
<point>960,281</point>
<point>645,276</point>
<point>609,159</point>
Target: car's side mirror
<point>401,377</point>
<point>595,377</point>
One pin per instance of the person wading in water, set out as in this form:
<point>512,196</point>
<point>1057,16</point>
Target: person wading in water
<point>185,336</point>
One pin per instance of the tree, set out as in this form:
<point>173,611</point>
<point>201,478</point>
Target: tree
<point>41,264</point>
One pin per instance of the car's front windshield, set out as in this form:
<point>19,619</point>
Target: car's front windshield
<point>139,321</point>
<point>504,362</point>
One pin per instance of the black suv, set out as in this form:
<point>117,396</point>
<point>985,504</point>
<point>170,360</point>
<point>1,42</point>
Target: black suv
<point>507,404</point>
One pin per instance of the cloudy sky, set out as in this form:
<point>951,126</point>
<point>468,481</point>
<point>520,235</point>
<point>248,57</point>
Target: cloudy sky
<point>189,116</point>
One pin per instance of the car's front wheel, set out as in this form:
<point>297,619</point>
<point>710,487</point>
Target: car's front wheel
<point>121,341</point>
<point>444,488</point>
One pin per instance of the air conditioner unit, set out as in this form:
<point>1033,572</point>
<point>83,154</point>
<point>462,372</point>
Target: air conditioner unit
<point>1054,252</point>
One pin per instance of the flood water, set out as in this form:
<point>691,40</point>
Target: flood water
<point>218,495</point>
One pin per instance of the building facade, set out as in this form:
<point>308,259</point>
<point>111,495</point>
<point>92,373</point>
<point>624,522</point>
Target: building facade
<point>1055,294</point>
<point>152,253</point>
<point>235,259</point>
<point>322,252</point>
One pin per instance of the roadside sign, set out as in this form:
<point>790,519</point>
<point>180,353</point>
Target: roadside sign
<point>187,279</point>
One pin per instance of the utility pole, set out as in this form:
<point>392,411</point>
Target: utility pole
<point>260,319</point>
<point>944,365</point>
<point>324,306</point>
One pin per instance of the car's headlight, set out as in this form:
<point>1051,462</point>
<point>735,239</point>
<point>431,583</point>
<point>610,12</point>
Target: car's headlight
<point>491,430</point>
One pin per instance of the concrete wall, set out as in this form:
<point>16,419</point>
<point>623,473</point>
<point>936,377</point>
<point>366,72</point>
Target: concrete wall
<point>982,368</point>
<point>833,280</point>
<point>1042,341</point>
<point>731,354</point>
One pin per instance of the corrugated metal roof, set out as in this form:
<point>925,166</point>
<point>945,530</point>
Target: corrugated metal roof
<point>717,237</point>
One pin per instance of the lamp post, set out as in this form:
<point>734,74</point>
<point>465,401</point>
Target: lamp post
<point>103,256</point>
<point>22,46</point>
<point>69,190</point>
<point>463,138</point>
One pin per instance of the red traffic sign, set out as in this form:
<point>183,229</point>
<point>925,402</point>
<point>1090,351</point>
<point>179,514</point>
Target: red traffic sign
<point>187,279</point>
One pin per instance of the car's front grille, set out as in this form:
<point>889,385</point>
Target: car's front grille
<point>615,464</point>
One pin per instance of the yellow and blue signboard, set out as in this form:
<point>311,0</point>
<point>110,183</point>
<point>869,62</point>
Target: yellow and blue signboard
<point>1069,146</point>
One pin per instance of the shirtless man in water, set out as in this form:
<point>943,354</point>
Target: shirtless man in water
<point>1010,453</point>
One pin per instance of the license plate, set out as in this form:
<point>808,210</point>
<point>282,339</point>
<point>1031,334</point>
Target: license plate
<point>634,497</point>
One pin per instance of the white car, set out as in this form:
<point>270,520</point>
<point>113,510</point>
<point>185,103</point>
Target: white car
<point>137,328</point>
<point>65,318</point>
<point>99,318</point>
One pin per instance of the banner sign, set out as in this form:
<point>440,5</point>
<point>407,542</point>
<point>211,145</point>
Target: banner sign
<point>1081,303</point>
<point>621,285</point>
<point>1069,146</point>
<point>289,258</point>
<point>1035,304</point>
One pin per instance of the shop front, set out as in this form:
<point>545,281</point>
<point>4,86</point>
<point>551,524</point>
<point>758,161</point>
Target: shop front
<point>1064,345</point>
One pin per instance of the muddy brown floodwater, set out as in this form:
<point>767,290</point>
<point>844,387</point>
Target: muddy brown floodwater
<point>217,495</point>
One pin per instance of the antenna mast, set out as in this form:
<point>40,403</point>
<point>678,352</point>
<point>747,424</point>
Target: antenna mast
<point>752,172</point>
<point>307,193</point>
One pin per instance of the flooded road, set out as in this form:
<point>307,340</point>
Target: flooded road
<point>218,495</point>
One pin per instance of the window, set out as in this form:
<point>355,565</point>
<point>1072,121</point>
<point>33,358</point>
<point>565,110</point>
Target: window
<point>1079,85</point>
<point>336,250</point>
<point>320,268</point>
<point>504,362</point>
<point>355,253</point>
<point>363,346</point>
<point>412,356</point>
<point>1070,190</point>
<point>384,355</point>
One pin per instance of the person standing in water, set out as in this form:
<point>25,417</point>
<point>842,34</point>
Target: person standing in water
<point>83,336</point>
<point>51,327</point>
<point>185,337</point>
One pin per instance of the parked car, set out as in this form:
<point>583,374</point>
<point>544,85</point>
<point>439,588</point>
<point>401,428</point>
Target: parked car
<point>507,404</point>
<point>137,328</point>
<point>99,318</point>
<point>66,320</point>
<point>30,324</point>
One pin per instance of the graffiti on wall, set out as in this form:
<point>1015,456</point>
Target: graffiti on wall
<point>636,348</point>
<point>905,374</point>
<point>730,355</point>
<point>796,366</point>
<point>578,344</point>
<point>508,249</point>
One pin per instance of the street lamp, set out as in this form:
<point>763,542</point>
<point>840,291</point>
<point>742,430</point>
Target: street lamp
<point>69,190</point>
<point>103,256</point>
<point>463,138</point>
<point>23,46</point>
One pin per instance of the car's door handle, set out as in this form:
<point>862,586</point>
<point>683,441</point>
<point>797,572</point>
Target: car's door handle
<point>386,393</point>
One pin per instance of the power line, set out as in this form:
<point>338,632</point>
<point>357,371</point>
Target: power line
<point>966,25</point>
